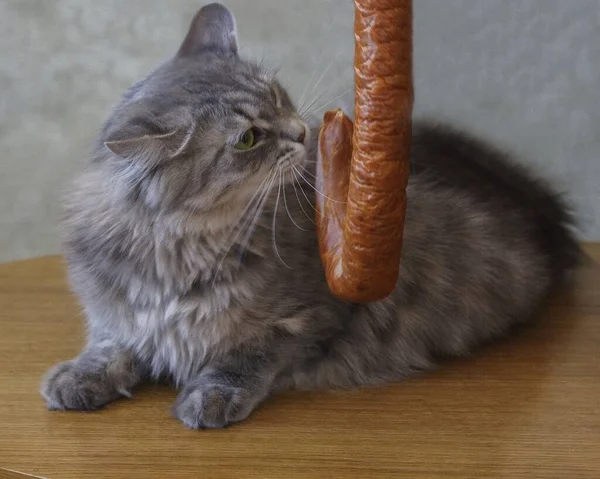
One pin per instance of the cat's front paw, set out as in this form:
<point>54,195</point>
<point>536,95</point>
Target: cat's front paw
<point>213,406</point>
<point>67,386</point>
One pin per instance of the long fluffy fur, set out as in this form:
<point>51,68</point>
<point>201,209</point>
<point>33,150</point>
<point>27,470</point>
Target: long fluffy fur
<point>176,280</point>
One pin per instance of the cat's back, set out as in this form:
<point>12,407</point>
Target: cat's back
<point>484,242</point>
<point>493,190</point>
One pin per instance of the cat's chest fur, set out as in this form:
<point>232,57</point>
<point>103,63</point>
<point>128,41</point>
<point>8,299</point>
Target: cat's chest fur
<point>177,335</point>
<point>177,326</point>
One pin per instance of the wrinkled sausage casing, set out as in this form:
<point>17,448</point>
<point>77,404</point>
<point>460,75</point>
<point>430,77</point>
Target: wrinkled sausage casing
<point>363,169</point>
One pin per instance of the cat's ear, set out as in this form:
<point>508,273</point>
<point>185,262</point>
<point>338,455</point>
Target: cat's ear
<point>150,148</point>
<point>149,141</point>
<point>212,29</point>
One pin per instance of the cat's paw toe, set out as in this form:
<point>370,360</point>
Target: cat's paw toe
<point>213,406</point>
<point>67,387</point>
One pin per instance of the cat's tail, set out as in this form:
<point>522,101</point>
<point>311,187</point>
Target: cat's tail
<point>556,234</point>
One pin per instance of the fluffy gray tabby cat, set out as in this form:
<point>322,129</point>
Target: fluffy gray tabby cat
<point>191,245</point>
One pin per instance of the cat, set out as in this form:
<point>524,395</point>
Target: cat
<point>191,245</point>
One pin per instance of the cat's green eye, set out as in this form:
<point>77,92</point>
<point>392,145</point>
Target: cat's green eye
<point>247,141</point>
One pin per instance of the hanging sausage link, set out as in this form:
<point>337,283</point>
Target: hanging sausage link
<point>363,169</point>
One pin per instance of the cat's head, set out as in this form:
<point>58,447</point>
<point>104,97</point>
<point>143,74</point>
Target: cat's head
<point>207,128</point>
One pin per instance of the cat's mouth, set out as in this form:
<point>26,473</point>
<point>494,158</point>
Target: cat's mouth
<point>292,159</point>
<point>292,165</point>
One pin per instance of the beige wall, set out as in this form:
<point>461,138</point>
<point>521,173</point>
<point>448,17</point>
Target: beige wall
<point>523,72</point>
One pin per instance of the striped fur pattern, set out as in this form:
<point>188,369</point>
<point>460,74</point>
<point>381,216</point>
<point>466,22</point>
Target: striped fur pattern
<point>198,262</point>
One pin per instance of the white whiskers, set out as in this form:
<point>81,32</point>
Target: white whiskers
<point>273,230</point>
<point>286,205</point>
<point>246,222</point>
<point>307,200</point>
<point>298,197</point>
<point>297,171</point>
<point>304,96</point>
<point>334,99</point>
<point>245,243</point>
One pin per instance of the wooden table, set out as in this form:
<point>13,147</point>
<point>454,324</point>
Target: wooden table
<point>527,407</point>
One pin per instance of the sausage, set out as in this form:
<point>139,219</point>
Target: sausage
<point>363,169</point>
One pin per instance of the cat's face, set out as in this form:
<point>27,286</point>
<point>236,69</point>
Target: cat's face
<point>206,129</point>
